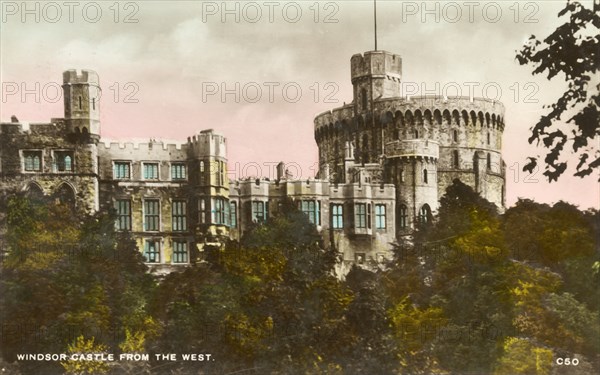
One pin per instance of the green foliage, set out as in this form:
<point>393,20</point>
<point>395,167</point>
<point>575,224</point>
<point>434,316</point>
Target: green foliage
<point>571,50</point>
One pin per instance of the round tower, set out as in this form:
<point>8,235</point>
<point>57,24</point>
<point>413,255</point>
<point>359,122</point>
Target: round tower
<point>82,103</point>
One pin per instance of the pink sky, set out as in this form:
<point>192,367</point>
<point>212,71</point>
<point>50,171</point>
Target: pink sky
<point>178,49</point>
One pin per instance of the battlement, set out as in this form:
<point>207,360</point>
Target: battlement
<point>413,148</point>
<point>143,146</point>
<point>422,110</point>
<point>73,76</point>
<point>376,64</point>
<point>208,142</point>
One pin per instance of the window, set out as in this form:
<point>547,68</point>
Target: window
<point>364,99</point>
<point>220,211</point>
<point>425,178</point>
<point>425,214</point>
<point>202,179</point>
<point>32,161</point>
<point>122,170</point>
<point>380,216</point>
<point>402,175</point>
<point>221,173</point>
<point>150,171</point>
<point>488,138</point>
<point>489,161</point>
<point>337,216</point>
<point>360,219</point>
<point>151,214</point>
<point>312,209</point>
<point>152,251</point>
<point>63,161</point>
<point>233,214</point>
<point>455,158</point>
<point>455,135</point>
<point>179,216</point>
<point>178,171</point>
<point>201,211</point>
<point>360,258</point>
<point>180,252</point>
<point>403,216</point>
<point>123,207</point>
<point>258,211</point>
<point>416,134</point>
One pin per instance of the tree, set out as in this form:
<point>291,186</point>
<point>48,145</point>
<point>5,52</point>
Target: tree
<point>573,49</point>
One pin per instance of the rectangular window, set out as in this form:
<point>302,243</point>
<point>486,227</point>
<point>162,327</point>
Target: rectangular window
<point>360,258</point>
<point>219,211</point>
<point>151,215</point>
<point>221,169</point>
<point>202,173</point>
<point>403,216</point>
<point>123,207</point>
<point>150,171</point>
<point>178,171</point>
<point>312,209</point>
<point>258,211</point>
<point>63,161</point>
<point>32,161</point>
<point>380,216</point>
<point>233,214</point>
<point>201,211</point>
<point>180,252</point>
<point>122,170</point>
<point>337,216</point>
<point>179,216</point>
<point>360,215</point>
<point>152,251</point>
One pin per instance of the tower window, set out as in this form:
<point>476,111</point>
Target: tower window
<point>425,177</point>
<point>360,219</point>
<point>363,97</point>
<point>488,138</point>
<point>425,214</point>
<point>416,134</point>
<point>380,217</point>
<point>403,216</point>
<point>233,214</point>
<point>220,211</point>
<point>489,161</point>
<point>80,103</point>
<point>455,158</point>
<point>455,135</point>
<point>94,103</point>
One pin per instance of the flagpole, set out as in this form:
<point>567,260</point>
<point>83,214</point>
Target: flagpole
<point>375,23</point>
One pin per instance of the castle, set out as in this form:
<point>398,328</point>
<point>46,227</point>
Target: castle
<point>384,162</point>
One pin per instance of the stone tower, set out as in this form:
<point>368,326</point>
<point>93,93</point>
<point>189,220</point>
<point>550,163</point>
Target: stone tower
<point>82,104</point>
<point>375,75</point>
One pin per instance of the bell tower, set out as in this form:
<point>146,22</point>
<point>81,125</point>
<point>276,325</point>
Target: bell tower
<point>82,103</point>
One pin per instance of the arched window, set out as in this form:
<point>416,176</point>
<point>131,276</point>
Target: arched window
<point>363,97</point>
<point>425,214</point>
<point>65,195</point>
<point>402,216</point>
<point>455,135</point>
<point>34,192</point>
<point>425,178</point>
<point>455,159</point>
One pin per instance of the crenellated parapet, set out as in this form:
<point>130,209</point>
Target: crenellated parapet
<point>413,148</point>
<point>208,142</point>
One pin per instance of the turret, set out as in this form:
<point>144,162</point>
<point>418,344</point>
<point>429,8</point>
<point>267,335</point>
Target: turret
<point>82,103</point>
<point>375,75</point>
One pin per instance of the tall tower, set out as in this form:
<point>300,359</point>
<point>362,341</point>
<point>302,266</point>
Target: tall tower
<point>82,103</point>
<point>375,75</point>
